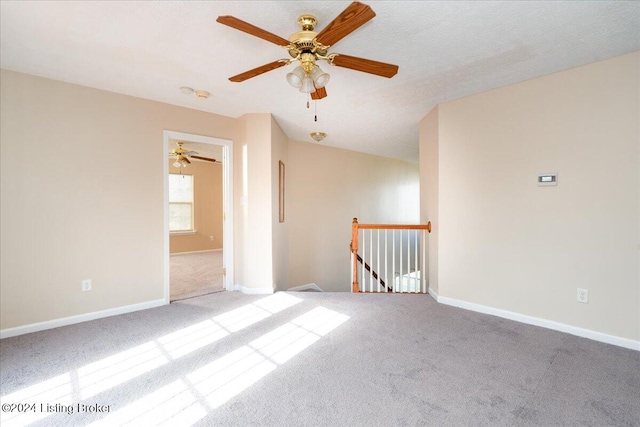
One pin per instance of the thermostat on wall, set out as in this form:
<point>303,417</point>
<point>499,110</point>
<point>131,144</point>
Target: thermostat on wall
<point>546,179</point>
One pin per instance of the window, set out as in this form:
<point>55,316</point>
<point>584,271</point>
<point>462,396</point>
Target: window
<point>180,202</point>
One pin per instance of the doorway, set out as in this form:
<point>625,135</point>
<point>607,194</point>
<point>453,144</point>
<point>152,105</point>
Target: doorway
<point>198,255</point>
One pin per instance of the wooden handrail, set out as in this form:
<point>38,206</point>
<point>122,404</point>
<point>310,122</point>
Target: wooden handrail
<point>426,226</point>
<point>355,226</point>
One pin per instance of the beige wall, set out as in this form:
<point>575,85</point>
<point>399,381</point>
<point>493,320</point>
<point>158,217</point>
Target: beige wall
<point>74,207</point>
<point>326,188</point>
<point>506,243</point>
<point>207,182</point>
<point>279,152</point>
<point>253,212</point>
<point>429,179</point>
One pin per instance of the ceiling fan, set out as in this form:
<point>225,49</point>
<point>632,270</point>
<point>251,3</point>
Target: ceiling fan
<point>182,156</point>
<point>308,46</point>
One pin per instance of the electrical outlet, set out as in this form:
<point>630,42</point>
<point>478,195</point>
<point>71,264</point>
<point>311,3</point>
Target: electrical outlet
<point>212,238</point>
<point>86,285</point>
<point>583,295</point>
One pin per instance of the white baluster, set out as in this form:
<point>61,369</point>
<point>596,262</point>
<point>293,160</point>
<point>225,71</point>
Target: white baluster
<point>364,251</point>
<point>416,281</point>
<point>393,259</point>
<point>408,260</point>
<point>378,263</point>
<point>386,264</point>
<point>371,261</point>
<point>401,245</point>
<point>423,269</point>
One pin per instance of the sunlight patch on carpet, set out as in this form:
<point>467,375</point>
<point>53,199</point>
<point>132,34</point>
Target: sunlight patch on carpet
<point>107,373</point>
<point>172,405</point>
<point>226,377</point>
<point>56,392</point>
<point>112,371</point>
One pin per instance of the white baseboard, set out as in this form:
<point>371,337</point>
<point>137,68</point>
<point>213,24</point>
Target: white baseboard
<point>71,320</point>
<point>433,294</point>
<point>305,287</point>
<point>536,321</point>
<point>253,291</point>
<point>195,252</point>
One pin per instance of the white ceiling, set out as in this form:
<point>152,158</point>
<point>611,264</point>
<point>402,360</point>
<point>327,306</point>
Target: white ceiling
<point>445,50</point>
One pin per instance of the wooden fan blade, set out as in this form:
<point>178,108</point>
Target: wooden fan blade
<point>319,94</point>
<point>354,16</point>
<point>365,65</point>
<point>257,71</point>
<point>186,160</point>
<point>238,24</point>
<point>204,158</point>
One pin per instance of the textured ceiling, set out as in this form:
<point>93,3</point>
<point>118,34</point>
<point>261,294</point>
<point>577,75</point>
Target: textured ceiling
<point>445,50</point>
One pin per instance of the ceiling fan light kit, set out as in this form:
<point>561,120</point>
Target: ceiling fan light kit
<point>307,85</point>
<point>320,78</point>
<point>308,82</point>
<point>307,47</point>
<point>295,77</point>
<point>180,162</point>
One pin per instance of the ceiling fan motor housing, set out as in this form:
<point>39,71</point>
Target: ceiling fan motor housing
<point>307,22</point>
<point>303,41</point>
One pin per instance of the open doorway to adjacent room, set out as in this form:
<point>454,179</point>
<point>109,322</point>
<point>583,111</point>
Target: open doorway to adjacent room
<point>198,230</point>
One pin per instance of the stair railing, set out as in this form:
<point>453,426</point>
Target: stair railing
<point>374,274</point>
<point>406,267</point>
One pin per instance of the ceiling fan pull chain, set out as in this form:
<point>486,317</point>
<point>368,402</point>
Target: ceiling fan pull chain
<point>315,113</point>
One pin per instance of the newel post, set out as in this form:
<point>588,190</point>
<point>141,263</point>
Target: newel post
<point>354,252</point>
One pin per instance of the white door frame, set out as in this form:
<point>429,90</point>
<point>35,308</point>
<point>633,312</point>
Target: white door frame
<point>227,201</point>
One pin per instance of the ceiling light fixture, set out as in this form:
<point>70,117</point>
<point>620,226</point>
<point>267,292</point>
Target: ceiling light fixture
<point>318,136</point>
<point>199,93</point>
<point>307,85</point>
<point>180,162</point>
<point>308,77</point>
<point>295,77</point>
<point>320,78</point>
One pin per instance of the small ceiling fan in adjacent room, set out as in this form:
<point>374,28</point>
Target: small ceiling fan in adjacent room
<point>308,47</point>
<point>182,156</point>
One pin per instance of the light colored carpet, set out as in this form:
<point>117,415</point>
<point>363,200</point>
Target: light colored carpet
<point>193,275</point>
<point>318,359</point>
